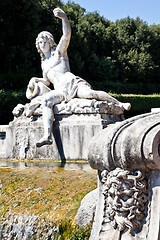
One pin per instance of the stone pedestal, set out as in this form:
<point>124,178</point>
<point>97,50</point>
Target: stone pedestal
<point>3,142</point>
<point>72,132</point>
<point>127,157</point>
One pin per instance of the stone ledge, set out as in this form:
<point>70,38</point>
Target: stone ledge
<point>71,136</point>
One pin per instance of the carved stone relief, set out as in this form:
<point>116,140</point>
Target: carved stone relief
<point>126,199</point>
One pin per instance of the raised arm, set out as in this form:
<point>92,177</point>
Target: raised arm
<point>65,39</point>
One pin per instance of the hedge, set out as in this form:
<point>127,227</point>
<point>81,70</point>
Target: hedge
<point>140,103</point>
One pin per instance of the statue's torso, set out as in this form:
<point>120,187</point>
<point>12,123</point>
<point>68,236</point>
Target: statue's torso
<point>55,67</point>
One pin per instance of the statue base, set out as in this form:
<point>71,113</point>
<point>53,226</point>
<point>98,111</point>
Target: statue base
<point>76,122</point>
<point>71,136</point>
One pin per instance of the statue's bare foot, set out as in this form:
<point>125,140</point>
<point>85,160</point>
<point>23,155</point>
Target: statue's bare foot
<point>44,141</point>
<point>126,106</point>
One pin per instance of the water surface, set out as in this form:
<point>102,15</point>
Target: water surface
<point>45,164</point>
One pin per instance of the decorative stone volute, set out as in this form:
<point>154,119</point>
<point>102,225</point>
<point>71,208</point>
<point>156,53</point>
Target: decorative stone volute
<point>131,144</point>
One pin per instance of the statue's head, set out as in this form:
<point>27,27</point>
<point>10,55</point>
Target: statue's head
<point>126,198</point>
<point>48,37</point>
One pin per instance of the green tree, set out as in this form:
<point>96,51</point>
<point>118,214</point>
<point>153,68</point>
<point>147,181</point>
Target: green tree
<point>134,53</point>
<point>92,43</point>
<point>18,22</point>
<point>100,51</point>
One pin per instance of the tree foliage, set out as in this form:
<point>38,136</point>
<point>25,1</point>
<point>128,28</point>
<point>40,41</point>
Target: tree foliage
<point>127,51</point>
<point>18,23</point>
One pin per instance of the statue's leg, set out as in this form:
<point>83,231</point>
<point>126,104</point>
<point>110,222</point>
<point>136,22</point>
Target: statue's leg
<point>49,100</point>
<point>87,92</point>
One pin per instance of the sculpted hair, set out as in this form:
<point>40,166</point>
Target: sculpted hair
<point>49,38</point>
<point>135,184</point>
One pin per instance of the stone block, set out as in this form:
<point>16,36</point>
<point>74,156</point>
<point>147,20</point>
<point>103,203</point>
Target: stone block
<point>71,136</point>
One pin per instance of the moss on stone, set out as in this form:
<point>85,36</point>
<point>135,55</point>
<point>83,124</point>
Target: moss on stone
<point>52,194</point>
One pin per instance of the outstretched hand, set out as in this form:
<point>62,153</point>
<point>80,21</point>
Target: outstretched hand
<point>58,12</point>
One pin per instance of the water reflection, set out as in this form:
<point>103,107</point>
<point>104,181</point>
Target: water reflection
<point>45,164</point>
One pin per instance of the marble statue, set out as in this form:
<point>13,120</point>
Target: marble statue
<point>56,70</point>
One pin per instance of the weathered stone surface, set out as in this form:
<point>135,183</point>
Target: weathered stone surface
<point>154,208</point>
<point>126,198</point>
<point>74,106</point>
<point>3,141</point>
<point>130,144</point>
<point>141,207</point>
<point>123,209</point>
<point>127,157</point>
<point>86,212</point>
<point>71,136</point>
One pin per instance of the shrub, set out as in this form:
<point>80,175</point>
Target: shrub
<point>140,103</point>
<point>126,88</point>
